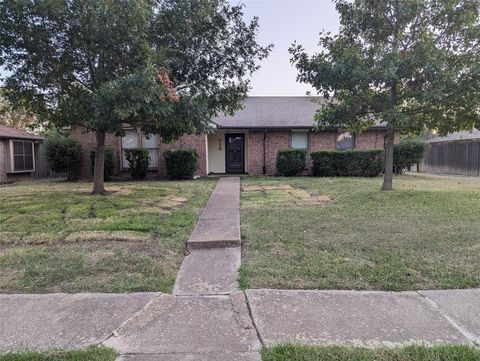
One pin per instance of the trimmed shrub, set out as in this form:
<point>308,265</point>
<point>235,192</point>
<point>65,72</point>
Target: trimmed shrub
<point>350,163</point>
<point>290,162</point>
<point>64,155</point>
<point>181,163</point>
<point>109,163</point>
<point>138,162</point>
<point>408,152</point>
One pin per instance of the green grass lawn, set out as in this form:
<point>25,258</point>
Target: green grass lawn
<point>423,235</point>
<point>56,237</point>
<point>336,353</point>
<point>92,353</point>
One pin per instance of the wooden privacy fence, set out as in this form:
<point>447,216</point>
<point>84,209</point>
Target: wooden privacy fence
<point>453,157</point>
<point>42,170</point>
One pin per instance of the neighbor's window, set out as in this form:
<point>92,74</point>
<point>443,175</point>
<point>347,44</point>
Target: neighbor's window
<point>151,144</point>
<point>300,140</point>
<point>130,140</point>
<point>22,153</point>
<point>346,141</point>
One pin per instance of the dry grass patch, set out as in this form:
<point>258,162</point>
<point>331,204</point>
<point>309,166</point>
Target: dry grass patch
<point>423,235</point>
<point>56,237</point>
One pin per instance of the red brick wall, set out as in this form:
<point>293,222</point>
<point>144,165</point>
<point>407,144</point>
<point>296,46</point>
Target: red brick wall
<point>88,144</point>
<point>198,142</point>
<point>255,152</point>
<point>87,140</point>
<point>276,140</point>
<point>370,139</point>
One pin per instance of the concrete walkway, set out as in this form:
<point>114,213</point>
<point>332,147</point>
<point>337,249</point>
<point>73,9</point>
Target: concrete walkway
<point>211,268</point>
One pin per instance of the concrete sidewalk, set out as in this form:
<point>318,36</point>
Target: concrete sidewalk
<point>211,268</point>
<point>152,326</point>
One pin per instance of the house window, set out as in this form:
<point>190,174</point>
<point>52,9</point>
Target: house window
<point>151,144</point>
<point>300,140</point>
<point>131,140</point>
<point>346,141</point>
<point>22,156</point>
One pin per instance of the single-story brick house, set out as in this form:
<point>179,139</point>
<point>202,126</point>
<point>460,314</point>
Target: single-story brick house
<point>246,143</point>
<point>18,154</point>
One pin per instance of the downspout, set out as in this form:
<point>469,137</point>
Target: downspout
<point>264,152</point>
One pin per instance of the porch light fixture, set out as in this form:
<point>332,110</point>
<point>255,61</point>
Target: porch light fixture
<point>219,143</point>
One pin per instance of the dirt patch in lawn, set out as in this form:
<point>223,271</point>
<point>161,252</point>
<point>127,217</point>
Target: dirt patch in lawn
<point>283,194</point>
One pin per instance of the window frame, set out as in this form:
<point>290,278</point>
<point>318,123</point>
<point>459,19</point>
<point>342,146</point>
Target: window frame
<point>305,132</point>
<point>354,139</point>
<point>139,136</point>
<point>12,156</point>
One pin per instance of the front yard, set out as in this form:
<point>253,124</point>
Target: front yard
<point>424,235</point>
<point>55,237</point>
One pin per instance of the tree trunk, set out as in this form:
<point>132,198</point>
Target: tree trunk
<point>388,175</point>
<point>98,174</point>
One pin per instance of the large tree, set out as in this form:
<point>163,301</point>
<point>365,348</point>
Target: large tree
<point>164,66</point>
<point>411,64</point>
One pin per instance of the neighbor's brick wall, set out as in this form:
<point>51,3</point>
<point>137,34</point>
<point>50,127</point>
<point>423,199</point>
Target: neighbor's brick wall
<point>197,142</point>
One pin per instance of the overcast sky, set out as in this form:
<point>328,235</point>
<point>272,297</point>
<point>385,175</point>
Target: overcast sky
<point>281,23</point>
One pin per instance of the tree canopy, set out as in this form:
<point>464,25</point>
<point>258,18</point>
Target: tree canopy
<point>165,66</point>
<point>411,64</point>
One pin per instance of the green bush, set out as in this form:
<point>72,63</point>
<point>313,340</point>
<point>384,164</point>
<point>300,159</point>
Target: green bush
<point>109,163</point>
<point>290,162</point>
<point>138,162</point>
<point>408,152</point>
<point>350,163</point>
<point>64,155</point>
<point>181,163</point>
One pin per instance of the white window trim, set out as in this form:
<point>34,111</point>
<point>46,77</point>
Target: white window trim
<point>140,136</point>
<point>12,159</point>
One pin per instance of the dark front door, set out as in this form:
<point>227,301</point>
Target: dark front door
<point>235,153</point>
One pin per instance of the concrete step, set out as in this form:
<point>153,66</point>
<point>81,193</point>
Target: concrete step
<point>212,233</point>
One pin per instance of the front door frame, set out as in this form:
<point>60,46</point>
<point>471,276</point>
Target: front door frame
<point>242,135</point>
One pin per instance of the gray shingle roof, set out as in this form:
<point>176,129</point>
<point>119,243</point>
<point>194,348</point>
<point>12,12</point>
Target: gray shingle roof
<point>12,133</point>
<point>469,134</point>
<point>272,112</point>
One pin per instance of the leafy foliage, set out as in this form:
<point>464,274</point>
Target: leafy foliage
<point>163,66</point>
<point>411,64</point>
<point>349,163</point>
<point>290,162</point>
<point>109,163</point>
<point>138,162</point>
<point>408,152</point>
<point>181,163</point>
<point>64,155</point>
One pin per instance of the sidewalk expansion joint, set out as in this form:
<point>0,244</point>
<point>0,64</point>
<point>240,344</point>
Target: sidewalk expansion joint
<point>250,312</point>
<point>117,331</point>
<point>472,339</point>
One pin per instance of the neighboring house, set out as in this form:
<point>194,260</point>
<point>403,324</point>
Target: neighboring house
<point>456,153</point>
<point>18,154</point>
<point>247,142</point>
